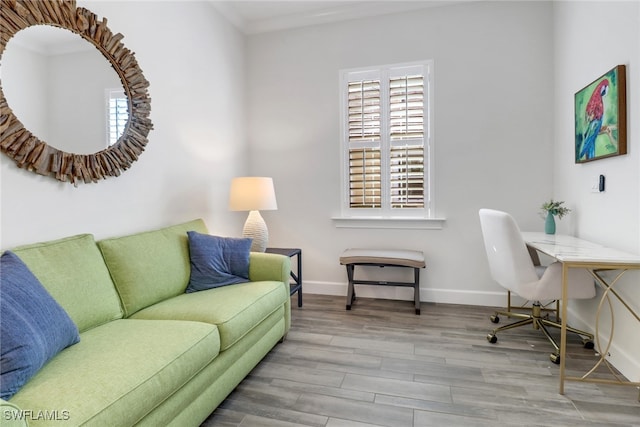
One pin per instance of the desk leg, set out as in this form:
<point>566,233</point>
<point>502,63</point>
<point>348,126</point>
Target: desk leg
<point>563,329</point>
<point>607,286</point>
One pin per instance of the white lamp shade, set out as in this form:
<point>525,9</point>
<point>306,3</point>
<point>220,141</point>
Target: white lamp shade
<point>252,193</point>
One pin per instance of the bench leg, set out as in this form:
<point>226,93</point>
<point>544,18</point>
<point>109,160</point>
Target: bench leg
<point>416,289</point>
<point>351,294</point>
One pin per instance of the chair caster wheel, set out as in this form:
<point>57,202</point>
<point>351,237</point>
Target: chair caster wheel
<point>348,307</point>
<point>555,358</point>
<point>588,344</point>
<point>492,338</point>
<point>494,318</point>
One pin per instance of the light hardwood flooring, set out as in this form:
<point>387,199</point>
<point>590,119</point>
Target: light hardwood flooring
<point>381,365</point>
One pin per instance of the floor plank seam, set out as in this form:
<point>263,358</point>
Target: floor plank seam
<point>379,365</point>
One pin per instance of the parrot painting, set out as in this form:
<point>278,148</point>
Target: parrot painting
<point>594,113</point>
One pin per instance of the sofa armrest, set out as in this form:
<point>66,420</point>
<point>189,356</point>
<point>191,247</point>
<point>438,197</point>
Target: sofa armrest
<point>11,415</point>
<point>265,266</point>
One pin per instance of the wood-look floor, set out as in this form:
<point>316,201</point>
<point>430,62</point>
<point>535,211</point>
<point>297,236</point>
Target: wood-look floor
<point>381,365</point>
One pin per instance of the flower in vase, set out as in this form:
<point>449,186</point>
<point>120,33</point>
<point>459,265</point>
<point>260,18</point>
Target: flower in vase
<point>554,208</point>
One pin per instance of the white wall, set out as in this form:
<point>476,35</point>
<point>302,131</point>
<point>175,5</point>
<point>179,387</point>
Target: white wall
<point>77,82</point>
<point>493,135</point>
<point>193,59</point>
<point>59,98</point>
<point>28,83</point>
<point>611,218</point>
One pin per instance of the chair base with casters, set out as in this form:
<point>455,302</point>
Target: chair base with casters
<point>544,308</point>
<point>540,323</point>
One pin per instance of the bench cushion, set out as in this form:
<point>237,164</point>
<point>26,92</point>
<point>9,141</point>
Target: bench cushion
<point>400,257</point>
<point>235,309</point>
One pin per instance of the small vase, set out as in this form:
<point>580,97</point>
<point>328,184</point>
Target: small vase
<point>550,224</point>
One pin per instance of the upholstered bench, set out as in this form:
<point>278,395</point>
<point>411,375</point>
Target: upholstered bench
<point>383,258</point>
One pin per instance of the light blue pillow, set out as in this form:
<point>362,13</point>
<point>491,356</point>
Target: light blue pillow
<point>217,261</point>
<point>34,326</point>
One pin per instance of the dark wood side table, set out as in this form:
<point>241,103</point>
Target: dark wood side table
<point>296,286</point>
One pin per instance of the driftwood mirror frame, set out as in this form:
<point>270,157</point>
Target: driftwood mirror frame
<point>35,155</point>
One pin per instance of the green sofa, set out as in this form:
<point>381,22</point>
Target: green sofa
<point>149,353</point>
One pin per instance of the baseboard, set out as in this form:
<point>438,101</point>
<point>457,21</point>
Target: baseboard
<point>447,296</point>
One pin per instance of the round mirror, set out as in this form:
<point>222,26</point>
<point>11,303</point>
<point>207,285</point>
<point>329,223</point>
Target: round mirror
<point>63,89</point>
<point>76,153</point>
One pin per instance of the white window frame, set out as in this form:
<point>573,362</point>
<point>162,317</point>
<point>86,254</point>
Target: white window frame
<point>109,95</point>
<point>386,216</point>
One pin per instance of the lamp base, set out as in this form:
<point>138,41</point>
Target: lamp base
<point>256,228</point>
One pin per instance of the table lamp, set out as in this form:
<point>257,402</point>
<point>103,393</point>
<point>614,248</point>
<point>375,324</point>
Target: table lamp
<point>253,194</point>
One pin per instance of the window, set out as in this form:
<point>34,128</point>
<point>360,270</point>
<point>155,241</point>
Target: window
<point>117,114</point>
<point>386,141</point>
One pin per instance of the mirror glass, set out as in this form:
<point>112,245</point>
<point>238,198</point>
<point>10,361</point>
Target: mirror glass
<point>63,89</point>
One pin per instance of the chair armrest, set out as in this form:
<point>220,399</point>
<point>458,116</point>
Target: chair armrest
<point>11,415</point>
<point>264,266</point>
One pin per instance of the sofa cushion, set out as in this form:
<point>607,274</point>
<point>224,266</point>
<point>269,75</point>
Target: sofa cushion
<point>150,267</point>
<point>217,261</point>
<point>34,327</point>
<point>121,371</point>
<point>235,309</point>
<point>74,273</point>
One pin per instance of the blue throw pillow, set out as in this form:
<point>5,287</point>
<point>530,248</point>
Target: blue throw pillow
<point>34,327</point>
<point>217,261</point>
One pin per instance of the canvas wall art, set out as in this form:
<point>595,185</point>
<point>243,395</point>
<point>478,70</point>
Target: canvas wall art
<point>601,117</point>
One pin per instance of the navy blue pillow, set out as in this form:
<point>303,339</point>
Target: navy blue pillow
<point>34,327</point>
<point>217,261</point>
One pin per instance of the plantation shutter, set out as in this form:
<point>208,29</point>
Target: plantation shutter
<point>406,133</point>
<point>364,178</point>
<point>118,114</point>
<point>364,143</point>
<point>407,177</point>
<point>384,128</point>
<point>406,102</point>
<point>364,110</point>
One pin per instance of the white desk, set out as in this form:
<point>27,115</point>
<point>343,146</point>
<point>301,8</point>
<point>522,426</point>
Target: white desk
<point>577,253</point>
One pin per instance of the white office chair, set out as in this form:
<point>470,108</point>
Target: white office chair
<point>512,267</point>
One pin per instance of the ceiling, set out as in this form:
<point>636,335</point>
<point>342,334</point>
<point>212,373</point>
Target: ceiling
<point>253,17</point>
<point>250,16</point>
<point>50,40</point>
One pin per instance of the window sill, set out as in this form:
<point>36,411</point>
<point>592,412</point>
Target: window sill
<point>390,222</point>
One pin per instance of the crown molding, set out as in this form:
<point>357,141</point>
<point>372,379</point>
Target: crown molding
<point>313,15</point>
